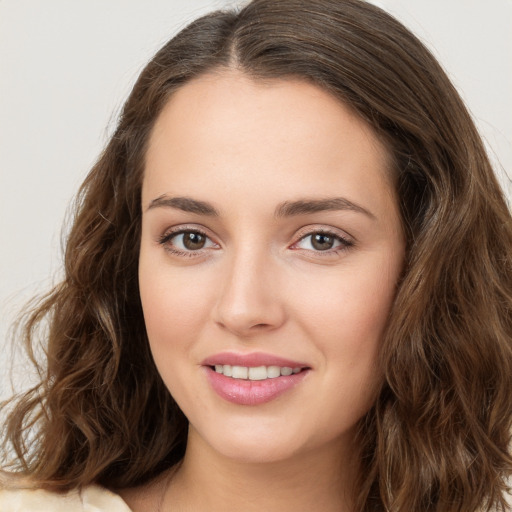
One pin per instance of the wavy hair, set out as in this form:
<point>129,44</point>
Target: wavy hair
<point>438,437</point>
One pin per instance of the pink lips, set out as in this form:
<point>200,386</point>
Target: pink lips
<point>248,392</point>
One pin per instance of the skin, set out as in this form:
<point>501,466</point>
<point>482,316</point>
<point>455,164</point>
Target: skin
<point>260,285</point>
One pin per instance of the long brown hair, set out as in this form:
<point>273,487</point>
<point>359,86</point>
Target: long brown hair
<point>437,438</point>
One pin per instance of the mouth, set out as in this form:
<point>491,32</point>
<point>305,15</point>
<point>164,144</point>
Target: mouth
<point>253,379</point>
<point>256,373</point>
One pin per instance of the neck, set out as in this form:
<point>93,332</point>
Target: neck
<point>319,480</point>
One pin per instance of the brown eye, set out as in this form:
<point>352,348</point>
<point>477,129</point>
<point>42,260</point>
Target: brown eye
<point>193,241</point>
<point>186,242</point>
<point>322,242</point>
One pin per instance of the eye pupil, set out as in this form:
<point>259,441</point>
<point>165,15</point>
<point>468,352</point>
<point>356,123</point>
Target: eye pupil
<point>322,242</point>
<point>193,241</point>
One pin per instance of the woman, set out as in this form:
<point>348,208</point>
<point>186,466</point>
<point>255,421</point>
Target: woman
<point>288,285</point>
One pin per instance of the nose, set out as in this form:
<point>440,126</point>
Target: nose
<point>250,300</point>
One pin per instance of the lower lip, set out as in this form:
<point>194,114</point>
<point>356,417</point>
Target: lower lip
<point>252,392</point>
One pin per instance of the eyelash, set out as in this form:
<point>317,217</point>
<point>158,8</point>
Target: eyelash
<point>345,243</point>
<point>168,236</point>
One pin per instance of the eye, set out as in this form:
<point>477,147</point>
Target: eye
<point>323,242</point>
<point>186,241</point>
<point>189,240</point>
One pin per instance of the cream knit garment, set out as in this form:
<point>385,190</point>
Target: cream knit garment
<point>90,499</point>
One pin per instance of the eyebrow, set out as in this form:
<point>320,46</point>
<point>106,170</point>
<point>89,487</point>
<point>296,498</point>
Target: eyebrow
<point>308,206</point>
<point>285,209</point>
<point>186,204</point>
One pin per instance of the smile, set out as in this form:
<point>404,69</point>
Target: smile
<point>255,373</point>
<point>254,378</point>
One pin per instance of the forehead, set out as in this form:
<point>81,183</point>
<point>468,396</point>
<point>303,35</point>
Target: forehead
<point>279,134</point>
<point>227,97</point>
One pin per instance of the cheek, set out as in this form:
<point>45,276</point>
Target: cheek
<point>173,312</point>
<point>346,316</point>
<point>347,322</point>
<point>351,305</point>
<point>163,305</point>
<point>175,306</point>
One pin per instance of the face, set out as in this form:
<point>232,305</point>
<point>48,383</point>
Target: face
<point>270,252</point>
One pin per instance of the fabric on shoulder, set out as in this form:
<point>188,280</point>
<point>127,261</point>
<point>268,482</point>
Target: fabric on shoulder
<point>92,498</point>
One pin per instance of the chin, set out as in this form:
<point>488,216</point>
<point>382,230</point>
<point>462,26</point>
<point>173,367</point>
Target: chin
<point>246,451</point>
<point>265,442</point>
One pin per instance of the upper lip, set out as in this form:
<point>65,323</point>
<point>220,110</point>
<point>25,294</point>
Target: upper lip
<point>251,360</point>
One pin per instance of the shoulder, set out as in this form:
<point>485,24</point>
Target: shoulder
<point>89,499</point>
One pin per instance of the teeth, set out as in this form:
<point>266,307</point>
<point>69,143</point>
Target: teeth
<point>256,372</point>
<point>273,372</point>
<point>240,372</point>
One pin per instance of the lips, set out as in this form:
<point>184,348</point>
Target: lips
<point>252,379</point>
<point>251,360</point>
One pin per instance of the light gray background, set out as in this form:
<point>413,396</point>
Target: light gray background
<point>66,67</point>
